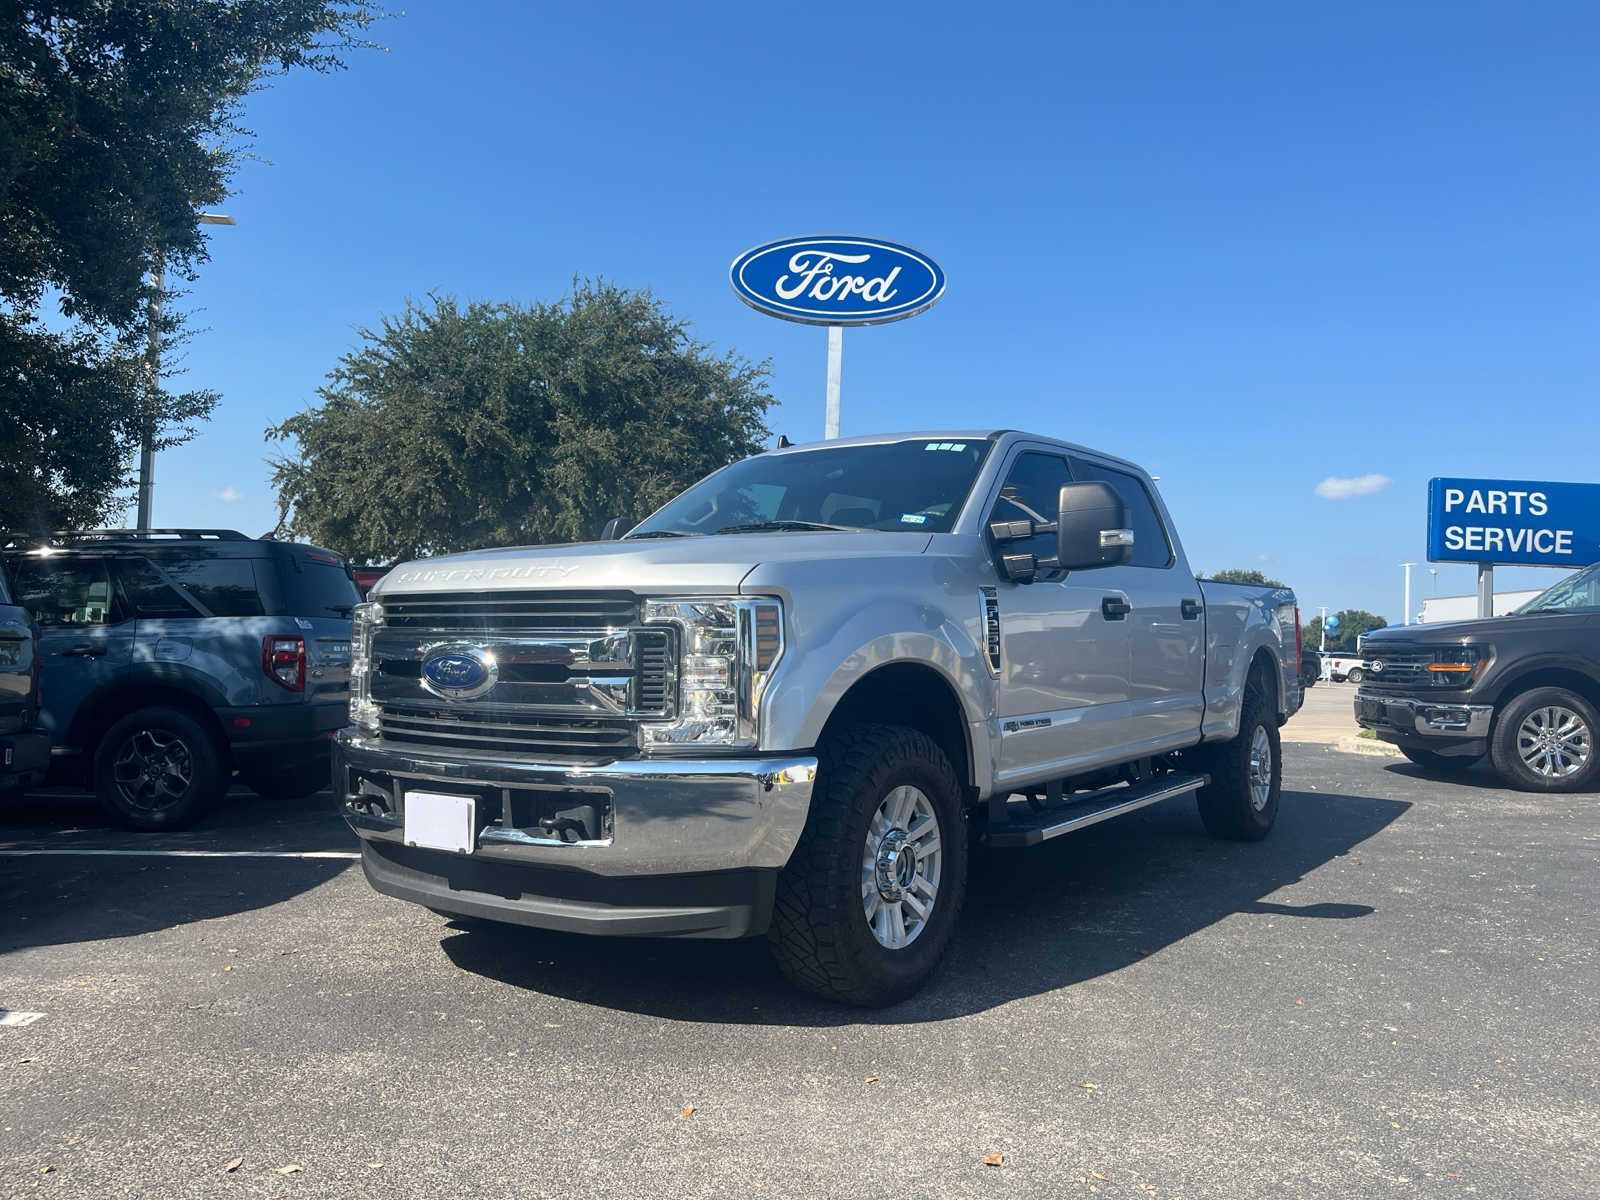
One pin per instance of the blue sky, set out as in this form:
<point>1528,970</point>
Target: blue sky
<point>1249,246</point>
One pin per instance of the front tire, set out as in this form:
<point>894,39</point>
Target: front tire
<point>1240,804</point>
<point>1544,741</point>
<point>158,769</point>
<point>868,902</point>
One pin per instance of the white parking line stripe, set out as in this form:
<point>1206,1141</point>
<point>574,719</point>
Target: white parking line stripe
<point>16,1020</point>
<point>345,855</point>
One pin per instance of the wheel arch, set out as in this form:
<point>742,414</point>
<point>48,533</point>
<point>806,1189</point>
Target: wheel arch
<point>112,703</point>
<point>1544,675</point>
<point>918,696</point>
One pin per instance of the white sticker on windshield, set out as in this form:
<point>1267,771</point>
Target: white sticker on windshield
<point>913,519</point>
<point>945,446</point>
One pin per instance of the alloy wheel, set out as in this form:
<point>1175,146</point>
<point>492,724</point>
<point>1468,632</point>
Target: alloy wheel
<point>1554,742</point>
<point>1260,769</point>
<point>901,861</point>
<point>153,770</point>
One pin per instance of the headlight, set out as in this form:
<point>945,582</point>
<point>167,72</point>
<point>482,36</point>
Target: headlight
<point>366,618</point>
<point>728,647</point>
<point>1457,666</point>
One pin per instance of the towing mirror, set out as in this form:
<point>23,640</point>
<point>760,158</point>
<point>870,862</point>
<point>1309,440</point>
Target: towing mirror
<point>1092,528</point>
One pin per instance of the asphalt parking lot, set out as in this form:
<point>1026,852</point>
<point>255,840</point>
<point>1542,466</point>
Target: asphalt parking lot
<point>1393,996</point>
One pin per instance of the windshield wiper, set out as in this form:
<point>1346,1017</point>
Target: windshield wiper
<point>787,527</point>
<point>654,533</point>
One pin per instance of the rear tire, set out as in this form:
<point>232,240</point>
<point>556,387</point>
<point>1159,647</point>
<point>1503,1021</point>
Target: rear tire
<point>1356,676</point>
<point>868,903</point>
<point>1240,804</point>
<point>1544,741</point>
<point>158,769</point>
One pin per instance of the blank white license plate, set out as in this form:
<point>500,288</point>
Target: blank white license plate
<point>438,821</point>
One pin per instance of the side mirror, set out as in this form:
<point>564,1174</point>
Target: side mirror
<point>1092,528</point>
<point>612,531</point>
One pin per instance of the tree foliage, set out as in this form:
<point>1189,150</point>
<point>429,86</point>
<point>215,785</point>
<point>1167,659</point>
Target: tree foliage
<point>118,122</point>
<point>1245,575</point>
<point>1353,622</point>
<point>457,426</point>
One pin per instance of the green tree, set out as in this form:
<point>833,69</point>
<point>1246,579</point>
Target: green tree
<point>118,122</point>
<point>1353,622</point>
<point>1245,575</point>
<point>456,426</point>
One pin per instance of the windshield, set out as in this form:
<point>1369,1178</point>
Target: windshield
<point>915,486</point>
<point>1575,593</point>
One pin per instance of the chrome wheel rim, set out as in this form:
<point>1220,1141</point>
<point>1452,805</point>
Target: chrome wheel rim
<point>901,861</point>
<point>153,770</point>
<point>1554,742</point>
<point>1260,769</point>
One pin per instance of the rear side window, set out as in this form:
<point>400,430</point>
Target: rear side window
<point>151,596</point>
<point>66,592</point>
<point>312,588</point>
<point>226,586</point>
<point>1150,545</point>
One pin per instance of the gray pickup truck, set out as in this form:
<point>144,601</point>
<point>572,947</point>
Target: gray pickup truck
<point>791,699</point>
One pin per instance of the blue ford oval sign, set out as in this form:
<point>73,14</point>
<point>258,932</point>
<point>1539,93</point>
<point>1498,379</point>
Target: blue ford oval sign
<point>837,280</point>
<point>460,672</point>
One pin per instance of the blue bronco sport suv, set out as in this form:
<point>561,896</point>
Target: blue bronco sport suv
<point>174,658</point>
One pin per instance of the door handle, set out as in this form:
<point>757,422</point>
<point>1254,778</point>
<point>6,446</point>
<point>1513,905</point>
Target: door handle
<point>1192,610</point>
<point>1115,608</point>
<point>89,651</point>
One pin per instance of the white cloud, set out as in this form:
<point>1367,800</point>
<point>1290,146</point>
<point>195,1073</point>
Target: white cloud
<point>1336,487</point>
<point>228,494</point>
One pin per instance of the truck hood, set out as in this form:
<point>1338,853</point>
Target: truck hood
<point>1454,631</point>
<point>695,565</point>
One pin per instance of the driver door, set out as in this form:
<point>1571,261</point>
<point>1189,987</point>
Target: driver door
<point>1064,690</point>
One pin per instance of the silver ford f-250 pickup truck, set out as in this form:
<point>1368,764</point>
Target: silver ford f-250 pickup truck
<point>789,701</point>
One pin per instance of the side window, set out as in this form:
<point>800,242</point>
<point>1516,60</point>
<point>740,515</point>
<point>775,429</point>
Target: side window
<point>1032,491</point>
<point>226,586</point>
<point>1150,545</point>
<point>149,594</point>
<point>65,593</point>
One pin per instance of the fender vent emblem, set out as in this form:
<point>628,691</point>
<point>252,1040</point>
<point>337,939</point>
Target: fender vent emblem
<point>991,628</point>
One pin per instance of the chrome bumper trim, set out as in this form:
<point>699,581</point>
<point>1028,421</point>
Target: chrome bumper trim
<point>1441,719</point>
<point>670,816</point>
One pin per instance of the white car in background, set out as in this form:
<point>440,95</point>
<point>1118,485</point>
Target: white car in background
<point>1344,667</point>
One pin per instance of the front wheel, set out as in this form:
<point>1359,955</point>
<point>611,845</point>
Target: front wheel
<point>1544,742</point>
<point>1240,804</point>
<point>869,900</point>
<point>158,769</point>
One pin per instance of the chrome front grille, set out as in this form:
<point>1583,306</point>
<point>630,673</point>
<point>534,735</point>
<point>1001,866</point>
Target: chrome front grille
<point>576,673</point>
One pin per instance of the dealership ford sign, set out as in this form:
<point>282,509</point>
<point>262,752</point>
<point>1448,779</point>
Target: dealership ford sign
<point>1495,521</point>
<point>837,280</point>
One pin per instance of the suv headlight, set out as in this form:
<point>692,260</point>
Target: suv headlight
<point>366,620</point>
<point>1457,666</point>
<point>728,647</point>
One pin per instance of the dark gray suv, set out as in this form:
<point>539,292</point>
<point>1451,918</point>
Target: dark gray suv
<point>175,658</point>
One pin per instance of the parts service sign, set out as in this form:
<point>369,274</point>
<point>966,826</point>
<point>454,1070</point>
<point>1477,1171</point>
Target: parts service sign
<point>1513,521</point>
<point>837,280</point>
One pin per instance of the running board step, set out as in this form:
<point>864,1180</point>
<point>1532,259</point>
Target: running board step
<point>1091,809</point>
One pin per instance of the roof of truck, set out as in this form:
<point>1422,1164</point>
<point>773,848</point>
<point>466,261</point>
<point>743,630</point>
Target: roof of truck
<point>952,435</point>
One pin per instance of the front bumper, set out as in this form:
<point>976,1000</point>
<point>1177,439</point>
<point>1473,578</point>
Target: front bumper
<point>679,847</point>
<point>1446,726</point>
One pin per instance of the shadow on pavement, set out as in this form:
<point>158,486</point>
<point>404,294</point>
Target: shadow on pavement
<point>1035,921</point>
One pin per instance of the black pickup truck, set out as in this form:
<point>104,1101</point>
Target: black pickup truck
<point>24,746</point>
<point>1523,689</point>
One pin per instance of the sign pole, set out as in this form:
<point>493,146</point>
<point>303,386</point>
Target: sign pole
<point>1485,589</point>
<point>830,426</point>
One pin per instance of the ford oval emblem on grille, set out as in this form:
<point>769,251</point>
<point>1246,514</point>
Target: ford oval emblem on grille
<point>1377,666</point>
<point>460,672</point>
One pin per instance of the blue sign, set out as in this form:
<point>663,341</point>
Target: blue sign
<point>1514,521</point>
<point>837,280</point>
<point>460,673</point>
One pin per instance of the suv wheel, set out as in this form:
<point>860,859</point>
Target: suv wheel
<point>1544,741</point>
<point>869,900</point>
<point>156,769</point>
<point>1240,804</point>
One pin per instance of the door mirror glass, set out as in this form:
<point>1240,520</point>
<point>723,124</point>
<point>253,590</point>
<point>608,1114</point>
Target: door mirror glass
<point>612,531</point>
<point>1092,528</point>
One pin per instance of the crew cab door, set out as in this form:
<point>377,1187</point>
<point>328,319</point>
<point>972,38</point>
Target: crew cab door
<point>1165,625</point>
<point>1064,695</point>
<point>85,631</point>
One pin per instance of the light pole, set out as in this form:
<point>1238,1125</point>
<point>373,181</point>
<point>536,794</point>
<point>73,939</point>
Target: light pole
<point>152,353</point>
<point>1408,567</point>
<point>1322,630</point>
